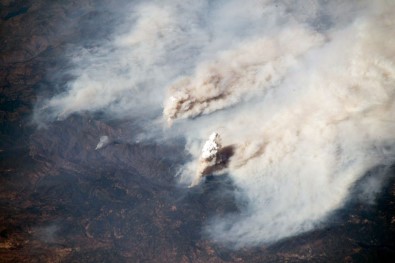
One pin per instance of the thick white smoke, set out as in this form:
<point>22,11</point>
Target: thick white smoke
<point>304,93</point>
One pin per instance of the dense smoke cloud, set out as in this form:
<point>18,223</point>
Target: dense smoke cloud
<point>304,93</point>
<point>254,67</point>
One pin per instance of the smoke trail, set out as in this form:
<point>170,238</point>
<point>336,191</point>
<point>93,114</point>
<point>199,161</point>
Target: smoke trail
<point>104,140</point>
<point>305,98</point>
<point>251,68</point>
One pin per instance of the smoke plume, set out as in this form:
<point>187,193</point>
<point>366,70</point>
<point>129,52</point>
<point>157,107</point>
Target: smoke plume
<point>303,92</point>
<point>241,72</point>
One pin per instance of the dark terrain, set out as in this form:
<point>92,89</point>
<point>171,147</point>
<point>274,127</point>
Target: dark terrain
<point>62,201</point>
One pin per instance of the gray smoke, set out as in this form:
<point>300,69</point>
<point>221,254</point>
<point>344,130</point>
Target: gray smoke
<point>303,91</point>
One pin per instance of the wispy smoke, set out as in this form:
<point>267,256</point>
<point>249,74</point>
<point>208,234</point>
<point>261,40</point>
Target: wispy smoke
<point>304,93</point>
<point>104,141</point>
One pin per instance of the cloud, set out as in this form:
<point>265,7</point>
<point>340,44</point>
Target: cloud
<point>304,96</point>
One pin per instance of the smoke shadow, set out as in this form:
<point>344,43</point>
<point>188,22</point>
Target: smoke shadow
<point>223,158</point>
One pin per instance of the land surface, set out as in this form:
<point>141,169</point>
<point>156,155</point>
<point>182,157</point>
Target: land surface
<point>63,201</point>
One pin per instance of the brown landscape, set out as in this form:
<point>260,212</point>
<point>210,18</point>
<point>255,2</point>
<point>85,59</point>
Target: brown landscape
<point>63,201</point>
